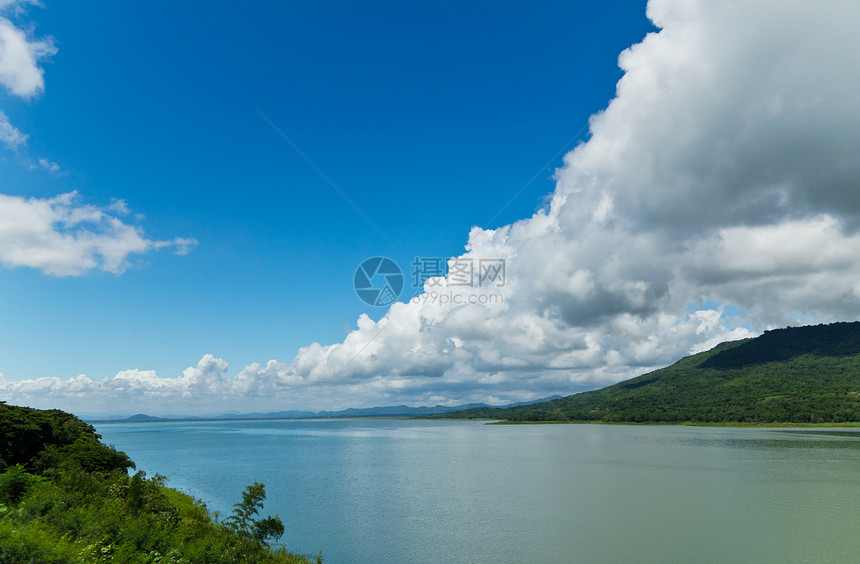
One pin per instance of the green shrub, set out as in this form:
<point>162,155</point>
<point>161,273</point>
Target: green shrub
<point>67,498</point>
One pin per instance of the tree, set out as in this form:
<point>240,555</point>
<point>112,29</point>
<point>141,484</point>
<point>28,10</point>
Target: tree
<point>14,484</point>
<point>242,520</point>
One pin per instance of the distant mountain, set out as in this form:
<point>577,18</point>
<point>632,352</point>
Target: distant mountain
<point>140,417</point>
<point>542,400</point>
<point>794,375</point>
<point>387,411</point>
<point>397,411</point>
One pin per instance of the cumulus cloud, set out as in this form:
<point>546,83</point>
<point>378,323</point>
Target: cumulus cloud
<point>132,389</point>
<point>723,173</point>
<point>20,70</point>
<point>20,55</point>
<point>716,196</point>
<point>62,236</point>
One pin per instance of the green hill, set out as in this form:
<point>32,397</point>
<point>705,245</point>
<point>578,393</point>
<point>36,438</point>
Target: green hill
<point>794,375</point>
<point>67,498</point>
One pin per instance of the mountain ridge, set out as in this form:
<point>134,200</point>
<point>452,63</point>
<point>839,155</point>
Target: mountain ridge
<point>352,412</point>
<point>800,375</point>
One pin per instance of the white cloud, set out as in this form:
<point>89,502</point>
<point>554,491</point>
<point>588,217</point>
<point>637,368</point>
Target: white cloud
<point>20,55</point>
<point>9,134</point>
<point>49,165</point>
<point>20,71</point>
<point>723,172</point>
<point>59,236</point>
<point>63,237</point>
<point>43,164</point>
<point>717,196</point>
<point>133,388</point>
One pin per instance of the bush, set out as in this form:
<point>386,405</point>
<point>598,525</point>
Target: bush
<point>84,507</point>
<point>14,483</point>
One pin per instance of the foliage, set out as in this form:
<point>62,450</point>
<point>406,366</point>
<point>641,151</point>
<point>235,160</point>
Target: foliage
<point>68,501</point>
<point>242,521</point>
<point>42,439</point>
<point>15,483</point>
<point>795,375</point>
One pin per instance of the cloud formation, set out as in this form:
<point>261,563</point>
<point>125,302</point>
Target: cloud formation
<point>62,236</point>
<point>717,196</point>
<point>59,236</point>
<point>9,134</point>
<point>204,382</point>
<point>48,165</point>
<point>20,55</point>
<point>20,71</point>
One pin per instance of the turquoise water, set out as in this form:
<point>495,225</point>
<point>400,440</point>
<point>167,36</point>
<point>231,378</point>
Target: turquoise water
<point>446,492</point>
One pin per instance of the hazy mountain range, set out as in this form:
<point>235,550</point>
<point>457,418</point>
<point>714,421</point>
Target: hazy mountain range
<point>384,411</point>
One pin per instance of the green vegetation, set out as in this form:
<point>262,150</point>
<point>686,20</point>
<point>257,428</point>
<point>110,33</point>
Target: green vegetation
<point>243,523</point>
<point>803,375</point>
<point>67,498</point>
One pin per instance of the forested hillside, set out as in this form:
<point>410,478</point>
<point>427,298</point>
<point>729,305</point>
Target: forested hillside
<point>67,498</point>
<point>795,375</point>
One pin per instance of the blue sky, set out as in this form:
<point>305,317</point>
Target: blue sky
<point>430,118</point>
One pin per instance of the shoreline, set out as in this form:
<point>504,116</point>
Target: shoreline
<point>782,424</point>
<point>491,421</point>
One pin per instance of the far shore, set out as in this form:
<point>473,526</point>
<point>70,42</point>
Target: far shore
<point>238,419</point>
<point>680,423</point>
<point>490,421</point>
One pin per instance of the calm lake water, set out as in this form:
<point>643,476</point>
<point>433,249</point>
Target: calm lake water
<point>446,492</point>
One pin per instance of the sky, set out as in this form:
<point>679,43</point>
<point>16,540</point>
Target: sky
<point>573,193</point>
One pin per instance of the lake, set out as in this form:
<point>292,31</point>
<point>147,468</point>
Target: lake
<point>393,491</point>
